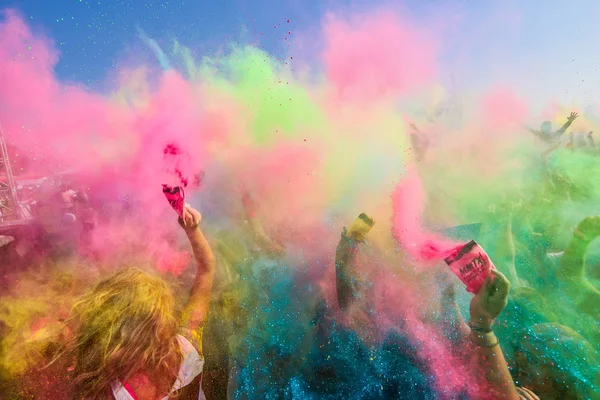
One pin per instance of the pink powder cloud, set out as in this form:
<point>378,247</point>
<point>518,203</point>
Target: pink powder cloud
<point>503,109</point>
<point>378,55</point>
<point>116,149</point>
<point>408,204</point>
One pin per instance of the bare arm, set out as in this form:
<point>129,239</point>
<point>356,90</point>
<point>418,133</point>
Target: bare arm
<point>488,358</point>
<point>536,133</point>
<point>572,267</point>
<point>564,128</point>
<point>195,311</point>
<point>419,141</point>
<point>573,261</point>
<point>590,140</point>
<point>346,281</point>
<point>572,117</point>
<point>345,260</point>
<point>265,243</point>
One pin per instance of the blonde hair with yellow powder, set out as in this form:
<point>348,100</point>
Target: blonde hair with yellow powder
<point>125,325</point>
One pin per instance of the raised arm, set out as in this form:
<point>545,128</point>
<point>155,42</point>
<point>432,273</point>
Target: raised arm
<point>488,358</point>
<point>573,261</point>
<point>535,132</point>
<point>419,141</point>
<point>195,311</point>
<point>572,268</point>
<point>590,140</point>
<point>265,243</point>
<point>345,260</point>
<point>346,281</point>
<point>572,117</point>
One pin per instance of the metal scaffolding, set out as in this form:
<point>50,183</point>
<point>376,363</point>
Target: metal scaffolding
<point>10,210</point>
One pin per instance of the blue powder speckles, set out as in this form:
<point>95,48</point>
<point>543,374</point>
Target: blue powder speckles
<point>293,347</point>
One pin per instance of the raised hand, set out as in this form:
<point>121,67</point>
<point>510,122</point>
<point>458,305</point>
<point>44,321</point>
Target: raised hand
<point>527,394</point>
<point>588,229</point>
<point>360,228</point>
<point>489,302</point>
<point>573,116</point>
<point>191,219</point>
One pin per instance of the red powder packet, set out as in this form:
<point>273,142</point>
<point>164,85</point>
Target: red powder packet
<point>176,197</point>
<point>471,264</point>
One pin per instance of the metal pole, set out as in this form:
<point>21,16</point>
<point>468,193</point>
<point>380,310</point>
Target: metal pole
<point>12,188</point>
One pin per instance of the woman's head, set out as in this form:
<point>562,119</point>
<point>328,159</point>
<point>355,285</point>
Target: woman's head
<point>124,325</point>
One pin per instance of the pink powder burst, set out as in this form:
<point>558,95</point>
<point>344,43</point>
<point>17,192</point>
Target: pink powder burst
<point>377,56</point>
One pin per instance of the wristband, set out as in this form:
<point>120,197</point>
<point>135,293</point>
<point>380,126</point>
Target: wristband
<point>480,330</point>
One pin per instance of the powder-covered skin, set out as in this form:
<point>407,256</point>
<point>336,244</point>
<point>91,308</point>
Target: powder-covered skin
<point>316,140</point>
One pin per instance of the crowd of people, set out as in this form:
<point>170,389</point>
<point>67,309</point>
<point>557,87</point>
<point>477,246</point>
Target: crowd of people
<point>252,326</point>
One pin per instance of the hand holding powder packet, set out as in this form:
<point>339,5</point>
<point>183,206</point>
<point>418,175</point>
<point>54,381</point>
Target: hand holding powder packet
<point>471,264</point>
<point>361,227</point>
<point>176,197</point>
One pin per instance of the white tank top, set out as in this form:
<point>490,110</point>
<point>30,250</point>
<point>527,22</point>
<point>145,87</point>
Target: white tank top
<point>190,368</point>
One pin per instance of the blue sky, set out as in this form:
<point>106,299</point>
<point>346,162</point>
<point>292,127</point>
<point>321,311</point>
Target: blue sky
<point>547,48</point>
<point>93,34</point>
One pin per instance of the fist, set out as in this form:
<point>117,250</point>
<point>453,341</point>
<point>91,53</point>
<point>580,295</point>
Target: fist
<point>490,301</point>
<point>589,227</point>
<point>191,218</point>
